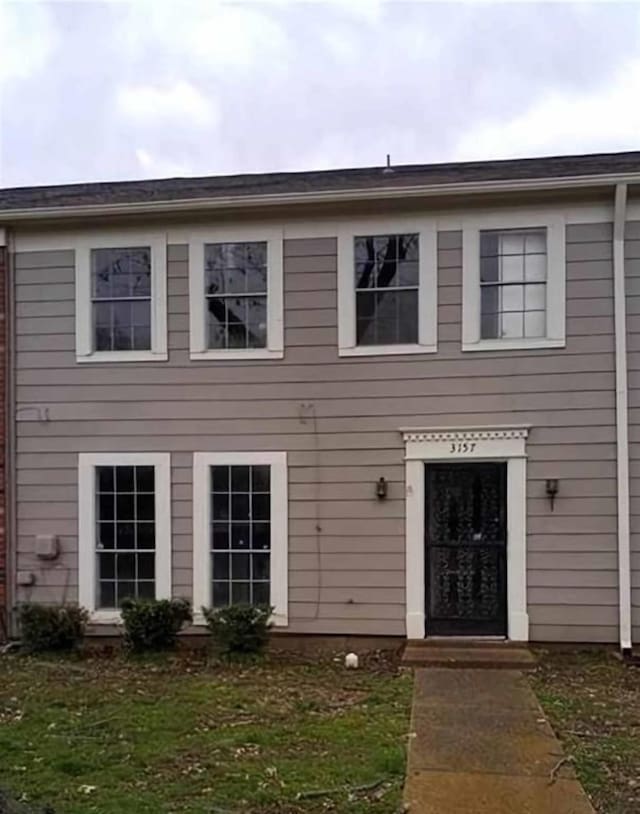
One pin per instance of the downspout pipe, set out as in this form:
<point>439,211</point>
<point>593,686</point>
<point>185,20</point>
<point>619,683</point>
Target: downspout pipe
<point>622,420</point>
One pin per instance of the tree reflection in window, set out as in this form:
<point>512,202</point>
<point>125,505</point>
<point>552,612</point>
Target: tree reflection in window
<point>387,285</point>
<point>236,295</point>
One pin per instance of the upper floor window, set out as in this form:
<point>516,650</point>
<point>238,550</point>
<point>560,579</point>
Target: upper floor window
<point>236,296</point>
<point>387,289</point>
<point>513,284</point>
<point>121,298</point>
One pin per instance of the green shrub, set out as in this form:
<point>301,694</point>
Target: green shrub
<point>51,627</point>
<point>239,629</point>
<point>154,624</point>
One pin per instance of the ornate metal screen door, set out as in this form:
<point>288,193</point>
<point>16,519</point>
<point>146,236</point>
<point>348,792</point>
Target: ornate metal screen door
<point>466,546</point>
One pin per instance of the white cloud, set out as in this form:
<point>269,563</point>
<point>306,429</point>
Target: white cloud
<point>27,39</point>
<point>154,167</point>
<point>174,101</point>
<point>604,119</point>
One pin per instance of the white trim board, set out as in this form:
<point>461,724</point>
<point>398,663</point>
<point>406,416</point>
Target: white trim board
<point>87,575</point>
<point>431,445</point>
<point>197,240</point>
<point>202,461</point>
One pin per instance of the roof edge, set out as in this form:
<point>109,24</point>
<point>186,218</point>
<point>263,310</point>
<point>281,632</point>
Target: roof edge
<point>9,216</point>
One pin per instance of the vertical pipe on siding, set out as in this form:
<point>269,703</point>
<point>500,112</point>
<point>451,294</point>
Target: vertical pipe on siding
<point>10,526</point>
<point>622,421</point>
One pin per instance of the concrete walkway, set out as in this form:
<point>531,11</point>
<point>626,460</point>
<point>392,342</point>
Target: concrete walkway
<point>481,745</point>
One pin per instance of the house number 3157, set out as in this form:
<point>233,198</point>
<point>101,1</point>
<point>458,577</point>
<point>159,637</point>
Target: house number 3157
<point>462,446</point>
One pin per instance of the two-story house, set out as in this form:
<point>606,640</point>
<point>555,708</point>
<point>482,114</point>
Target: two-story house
<point>389,401</point>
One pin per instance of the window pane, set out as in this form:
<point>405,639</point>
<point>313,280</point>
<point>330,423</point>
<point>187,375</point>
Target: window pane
<point>535,267</point>
<point>239,535</point>
<point>512,325</point>
<point>535,324</point>
<point>408,273</point>
<point>256,322</point>
<point>489,326</point>
<point>408,317</point>
<point>125,566</point>
<point>512,298</point>
<point>240,594</point>
<point>535,297</point>
<point>220,594</point>
<point>261,566</point>
<point>106,507</point>
<point>260,507</point>
<point>489,269</point>
<point>146,590</point>
<point>261,592</point>
<point>146,566</point>
<point>125,590</point>
<point>221,566</point>
<point>489,244</point>
<point>409,247</point>
<point>107,595</point>
<point>220,506</point>
<point>240,566</point>
<point>240,507</point>
<point>220,534</point>
<point>106,535</point>
<point>145,478</point>
<point>512,268</point>
<point>105,479</point>
<point>125,535</point>
<point>106,566</point>
<point>125,507</point>
<point>220,478</point>
<point>387,274</point>
<point>124,478</point>
<point>536,242</point>
<point>260,480</point>
<point>146,535</point>
<point>261,535</point>
<point>365,275</point>
<point>240,478</point>
<point>512,242</point>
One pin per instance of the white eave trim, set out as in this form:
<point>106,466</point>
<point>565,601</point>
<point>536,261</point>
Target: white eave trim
<point>323,196</point>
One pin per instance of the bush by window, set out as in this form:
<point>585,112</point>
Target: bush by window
<point>154,624</point>
<point>239,629</point>
<point>51,627</point>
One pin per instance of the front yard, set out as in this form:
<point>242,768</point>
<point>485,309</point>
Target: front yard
<point>179,734</point>
<point>593,703</point>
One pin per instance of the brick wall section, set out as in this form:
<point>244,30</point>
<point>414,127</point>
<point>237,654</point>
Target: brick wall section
<point>3,368</point>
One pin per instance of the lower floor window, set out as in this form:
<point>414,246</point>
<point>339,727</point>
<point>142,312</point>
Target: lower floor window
<point>240,530</point>
<point>240,534</point>
<point>125,534</point>
<point>124,529</point>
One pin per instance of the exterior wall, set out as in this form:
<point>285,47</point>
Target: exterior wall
<point>632,274</point>
<point>338,419</point>
<point>3,378</point>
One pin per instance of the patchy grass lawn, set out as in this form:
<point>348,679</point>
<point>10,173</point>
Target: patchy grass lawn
<point>177,734</point>
<point>593,703</point>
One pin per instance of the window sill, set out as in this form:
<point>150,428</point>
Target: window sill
<point>277,619</point>
<point>105,617</point>
<point>123,356</point>
<point>513,344</point>
<point>229,355</point>
<point>386,350</point>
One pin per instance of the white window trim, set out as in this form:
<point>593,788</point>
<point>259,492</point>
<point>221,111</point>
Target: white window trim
<point>279,564</point>
<point>273,237</point>
<point>83,245</point>
<point>427,293</point>
<point>502,443</point>
<point>556,280</point>
<point>87,573</point>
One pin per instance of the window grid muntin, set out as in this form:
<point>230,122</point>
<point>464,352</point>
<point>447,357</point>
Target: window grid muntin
<point>249,586</point>
<point>139,551</point>
<point>501,314</point>
<point>123,336</point>
<point>393,294</point>
<point>236,334</point>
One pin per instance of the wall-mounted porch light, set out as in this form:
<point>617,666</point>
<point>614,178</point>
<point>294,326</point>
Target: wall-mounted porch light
<point>551,488</point>
<point>381,489</point>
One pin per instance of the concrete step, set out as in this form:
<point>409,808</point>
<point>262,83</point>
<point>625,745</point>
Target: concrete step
<point>469,655</point>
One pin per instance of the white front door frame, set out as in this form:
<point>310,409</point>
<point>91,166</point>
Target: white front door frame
<point>442,444</point>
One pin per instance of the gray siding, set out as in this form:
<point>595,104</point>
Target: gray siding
<point>346,548</point>
<point>632,274</point>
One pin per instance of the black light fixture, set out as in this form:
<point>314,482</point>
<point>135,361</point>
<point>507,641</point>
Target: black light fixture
<point>551,488</point>
<point>381,489</point>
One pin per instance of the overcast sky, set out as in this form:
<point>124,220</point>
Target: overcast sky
<point>96,91</point>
